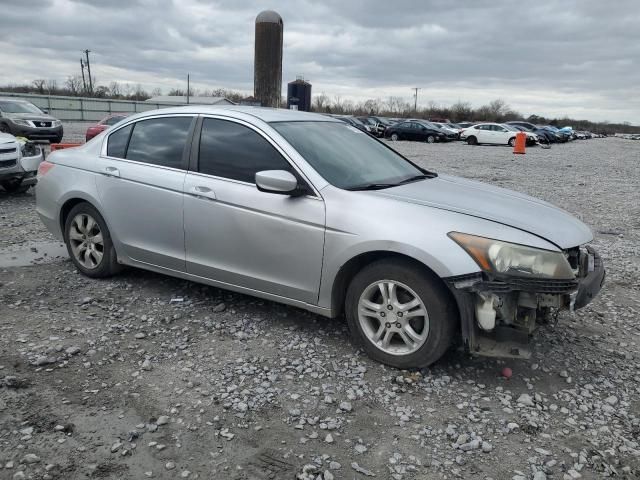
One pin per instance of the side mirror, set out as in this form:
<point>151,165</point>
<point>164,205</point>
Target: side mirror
<point>277,181</point>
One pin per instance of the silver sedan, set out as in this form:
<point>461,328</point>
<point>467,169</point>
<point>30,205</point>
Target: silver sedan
<point>306,210</point>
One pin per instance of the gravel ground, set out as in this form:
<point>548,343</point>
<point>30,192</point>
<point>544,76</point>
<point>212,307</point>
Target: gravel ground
<point>144,376</point>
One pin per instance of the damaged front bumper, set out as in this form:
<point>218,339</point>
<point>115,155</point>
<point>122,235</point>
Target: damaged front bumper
<point>500,314</point>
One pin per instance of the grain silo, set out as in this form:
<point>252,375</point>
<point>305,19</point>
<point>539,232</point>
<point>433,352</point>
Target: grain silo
<point>267,82</point>
<point>299,95</point>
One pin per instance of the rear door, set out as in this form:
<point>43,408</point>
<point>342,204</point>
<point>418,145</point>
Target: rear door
<point>143,169</point>
<point>485,134</point>
<point>241,236</point>
<point>502,135</point>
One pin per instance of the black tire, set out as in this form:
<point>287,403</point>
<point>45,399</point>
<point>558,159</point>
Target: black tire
<point>4,128</point>
<point>56,140</point>
<point>472,140</point>
<point>431,139</point>
<point>441,310</point>
<point>512,141</point>
<point>15,186</point>
<point>108,265</point>
<point>395,137</point>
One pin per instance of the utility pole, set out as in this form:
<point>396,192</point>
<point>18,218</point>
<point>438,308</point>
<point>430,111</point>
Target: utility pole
<point>86,52</point>
<point>187,89</point>
<point>415,107</point>
<point>84,82</point>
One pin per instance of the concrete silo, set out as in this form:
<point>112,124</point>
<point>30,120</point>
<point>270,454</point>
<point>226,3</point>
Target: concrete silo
<point>267,81</point>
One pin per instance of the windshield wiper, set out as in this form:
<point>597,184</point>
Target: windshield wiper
<point>380,186</point>
<point>415,178</point>
<point>372,186</point>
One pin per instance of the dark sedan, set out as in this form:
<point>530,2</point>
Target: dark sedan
<point>416,131</point>
<point>23,119</point>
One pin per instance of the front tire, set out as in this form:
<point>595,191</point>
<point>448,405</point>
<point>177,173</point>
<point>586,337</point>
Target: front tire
<point>512,141</point>
<point>431,139</point>
<point>15,186</point>
<point>401,315</point>
<point>89,242</point>
<point>395,137</point>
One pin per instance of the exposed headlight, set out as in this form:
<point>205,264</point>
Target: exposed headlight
<point>19,121</point>
<point>495,256</point>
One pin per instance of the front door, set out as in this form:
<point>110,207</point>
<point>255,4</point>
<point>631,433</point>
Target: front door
<point>241,236</point>
<point>141,189</point>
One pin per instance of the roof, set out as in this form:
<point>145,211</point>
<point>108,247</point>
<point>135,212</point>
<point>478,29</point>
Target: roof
<point>269,16</point>
<point>182,99</point>
<point>238,111</point>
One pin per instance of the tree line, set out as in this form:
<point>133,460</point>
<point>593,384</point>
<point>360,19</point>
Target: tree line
<point>395,107</point>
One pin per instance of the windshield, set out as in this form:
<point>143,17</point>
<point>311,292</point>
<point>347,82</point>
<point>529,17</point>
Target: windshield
<point>511,127</point>
<point>346,157</point>
<point>18,107</point>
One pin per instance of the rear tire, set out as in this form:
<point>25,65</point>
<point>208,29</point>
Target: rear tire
<point>512,142</point>
<point>4,128</point>
<point>406,338</point>
<point>89,242</point>
<point>395,137</point>
<point>472,141</point>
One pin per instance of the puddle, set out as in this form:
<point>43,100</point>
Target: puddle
<point>33,254</point>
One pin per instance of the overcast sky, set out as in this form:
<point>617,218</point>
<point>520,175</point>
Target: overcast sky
<point>546,57</point>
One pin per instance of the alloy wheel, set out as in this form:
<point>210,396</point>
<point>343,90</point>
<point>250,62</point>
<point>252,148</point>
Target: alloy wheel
<point>394,137</point>
<point>393,317</point>
<point>86,240</point>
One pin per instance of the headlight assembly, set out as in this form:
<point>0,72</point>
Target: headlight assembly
<point>24,123</point>
<point>503,258</point>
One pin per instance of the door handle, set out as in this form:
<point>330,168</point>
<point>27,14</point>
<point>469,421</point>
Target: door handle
<point>112,171</point>
<point>202,191</point>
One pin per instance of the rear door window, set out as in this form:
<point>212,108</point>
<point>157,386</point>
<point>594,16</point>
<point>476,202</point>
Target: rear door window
<point>159,141</point>
<point>117,143</point>
<point>231,150</point>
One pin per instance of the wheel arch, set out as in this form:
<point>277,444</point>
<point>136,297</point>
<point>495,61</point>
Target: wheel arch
<point>350,268</point>
<point>76,198</point>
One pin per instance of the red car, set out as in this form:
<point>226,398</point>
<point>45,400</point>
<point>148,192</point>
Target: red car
<point>103,124</point>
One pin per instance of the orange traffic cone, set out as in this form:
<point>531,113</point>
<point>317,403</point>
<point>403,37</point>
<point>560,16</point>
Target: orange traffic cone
<point>521,142</point>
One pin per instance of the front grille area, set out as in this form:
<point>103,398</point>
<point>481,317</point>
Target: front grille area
<point>7,163</point>
<point>38,123</point>
<point>7,150</point>
<point>535,285</point>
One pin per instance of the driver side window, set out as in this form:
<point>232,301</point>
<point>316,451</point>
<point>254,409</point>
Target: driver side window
<point>233,151</point>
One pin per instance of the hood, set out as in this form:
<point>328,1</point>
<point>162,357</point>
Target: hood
<point>38,117</point>
<point>6,138</point>
<point>496,204</point>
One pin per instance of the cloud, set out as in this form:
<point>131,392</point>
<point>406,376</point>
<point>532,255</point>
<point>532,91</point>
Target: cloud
<point>576,57</point>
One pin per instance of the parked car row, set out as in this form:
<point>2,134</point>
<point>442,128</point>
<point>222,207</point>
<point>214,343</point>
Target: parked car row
<point>443,130</point>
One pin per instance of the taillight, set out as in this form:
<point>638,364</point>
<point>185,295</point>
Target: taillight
<point>44,168</point>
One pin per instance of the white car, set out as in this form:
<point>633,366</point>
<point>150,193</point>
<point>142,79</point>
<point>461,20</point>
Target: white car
<point>493,133</point>
<point>19,161</point>
<point>446,127</point>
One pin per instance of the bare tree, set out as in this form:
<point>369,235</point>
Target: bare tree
<point>73,83</point>
<point>52,86</point>
<point>39,85</point>
<point>114,89</point>
<point>320,102</point>
<point>156,92</point>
